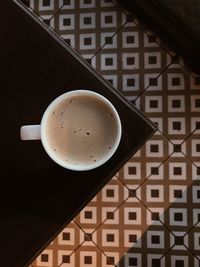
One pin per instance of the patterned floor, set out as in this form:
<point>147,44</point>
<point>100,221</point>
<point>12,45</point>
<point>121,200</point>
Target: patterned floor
<point>148,215</point>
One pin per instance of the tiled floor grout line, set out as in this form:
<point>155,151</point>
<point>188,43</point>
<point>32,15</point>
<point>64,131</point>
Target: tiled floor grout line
<point>163,224</point>
<point>101,48</point>
<point>146,207</point>
<point>185,140</point>
<point>190,229</point>
<point>162,46</point>
<point>144,203</point>
<point>167,251</point>
<point>149,209</point>
<point>74,250</point>
<point>191,252</point>
<point>181,143</point>
<point>160,74</point>
<point>91,240</point>
<point>114,210</point>
<point>118,207</point>
<point>168,140</point>
<point>147,178</point>
<point>188,136</point>
<point>162,162</point>
<point>54,14</point>
<point>188,158</point>
<point>99,225</point>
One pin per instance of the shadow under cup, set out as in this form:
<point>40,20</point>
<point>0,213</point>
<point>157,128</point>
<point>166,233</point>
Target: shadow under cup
<point>80,130</point>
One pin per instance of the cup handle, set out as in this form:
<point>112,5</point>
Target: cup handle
<point>30,132</point>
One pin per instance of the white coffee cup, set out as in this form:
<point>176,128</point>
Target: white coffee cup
<point>41,132</point>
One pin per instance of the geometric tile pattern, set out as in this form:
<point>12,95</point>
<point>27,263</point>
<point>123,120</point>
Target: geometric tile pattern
<point>149,213</point>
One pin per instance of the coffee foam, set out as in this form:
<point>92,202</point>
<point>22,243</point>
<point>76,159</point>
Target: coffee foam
<point>81,130</point>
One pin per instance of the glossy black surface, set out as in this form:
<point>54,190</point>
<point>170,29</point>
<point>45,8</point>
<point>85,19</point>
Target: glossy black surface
<point>37,197</point>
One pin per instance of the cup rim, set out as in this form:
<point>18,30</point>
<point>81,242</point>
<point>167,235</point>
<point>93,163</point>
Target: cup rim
<point>45,143</point>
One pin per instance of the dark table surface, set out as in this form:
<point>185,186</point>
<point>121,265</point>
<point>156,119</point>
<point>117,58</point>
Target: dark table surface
<point>37,197</point>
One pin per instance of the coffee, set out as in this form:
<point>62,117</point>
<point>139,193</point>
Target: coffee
<point>81,130</point>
